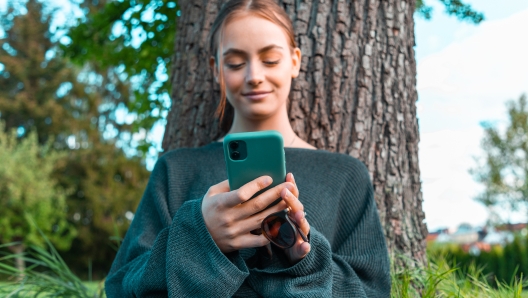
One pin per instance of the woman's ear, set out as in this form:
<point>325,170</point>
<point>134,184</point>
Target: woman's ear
<point>296,62</point>
<point>214,68</point>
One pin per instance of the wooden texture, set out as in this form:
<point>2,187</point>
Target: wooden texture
<point>356,94</point>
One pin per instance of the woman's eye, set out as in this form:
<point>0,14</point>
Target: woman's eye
<point>234,66</point>
<point>271,62</point>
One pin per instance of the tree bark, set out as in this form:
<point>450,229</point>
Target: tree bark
<point>356,94</point>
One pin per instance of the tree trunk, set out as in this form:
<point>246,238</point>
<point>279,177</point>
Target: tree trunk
<point>356,94</point>
<point>20,263</point>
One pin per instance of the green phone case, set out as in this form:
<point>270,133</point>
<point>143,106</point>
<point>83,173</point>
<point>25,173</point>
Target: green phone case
<point>265,156</point>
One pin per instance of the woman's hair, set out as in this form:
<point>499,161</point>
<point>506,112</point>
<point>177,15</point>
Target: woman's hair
<point>266,9</point>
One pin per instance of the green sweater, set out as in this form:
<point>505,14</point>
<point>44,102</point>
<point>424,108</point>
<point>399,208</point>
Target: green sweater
<point>168,250</point>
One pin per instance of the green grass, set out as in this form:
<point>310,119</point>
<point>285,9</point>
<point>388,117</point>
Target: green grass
<point>440,279</point>
<point>93,286</point>
<point>47,275</point>
<point>93,289</point>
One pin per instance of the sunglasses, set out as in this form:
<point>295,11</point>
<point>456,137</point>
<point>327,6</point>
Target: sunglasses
<point>281,230</point>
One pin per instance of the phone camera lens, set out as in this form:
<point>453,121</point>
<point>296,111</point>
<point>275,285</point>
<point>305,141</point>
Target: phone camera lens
<point>235,155</point>
<point>233,145</point>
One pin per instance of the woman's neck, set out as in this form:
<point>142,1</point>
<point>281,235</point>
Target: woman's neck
<point>277,122</point>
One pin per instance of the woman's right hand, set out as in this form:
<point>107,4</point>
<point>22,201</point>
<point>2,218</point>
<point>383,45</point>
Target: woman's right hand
<point>229,218</point>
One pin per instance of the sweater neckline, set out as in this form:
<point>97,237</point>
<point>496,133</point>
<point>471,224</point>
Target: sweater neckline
<point>285,148</point>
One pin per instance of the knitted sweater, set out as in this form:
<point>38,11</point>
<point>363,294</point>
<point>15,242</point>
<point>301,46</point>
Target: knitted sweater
<point>168,251</point>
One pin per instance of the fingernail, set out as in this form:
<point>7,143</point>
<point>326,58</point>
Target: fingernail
<point>293,178</point>
<point>268,180</point>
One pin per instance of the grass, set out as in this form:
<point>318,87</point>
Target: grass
<point>47,275</point>
<point>440,279</point>
<point>93,289</point>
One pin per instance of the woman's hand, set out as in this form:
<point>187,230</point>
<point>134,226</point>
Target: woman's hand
<point>229,218</point>
<point>300,249</point>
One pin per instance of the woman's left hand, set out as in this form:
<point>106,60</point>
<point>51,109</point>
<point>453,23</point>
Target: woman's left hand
<point>300,249</point>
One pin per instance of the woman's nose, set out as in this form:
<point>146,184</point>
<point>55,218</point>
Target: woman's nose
<point>254,75</point>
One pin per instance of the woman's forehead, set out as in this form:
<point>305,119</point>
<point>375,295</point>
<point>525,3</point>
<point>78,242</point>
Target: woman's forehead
<point>251,33</point>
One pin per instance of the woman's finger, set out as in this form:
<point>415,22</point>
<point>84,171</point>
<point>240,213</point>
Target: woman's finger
<point>303,249</point>
<point>292,201</point>
<point>300,219</point>
<point>250,240</point>
<point>263,200</point>
<point>296,210</point>
<point>218,188</point>
<point>298,252</point>
<point>246,191</point>
<point>291,179</point>
<point>255,221</point>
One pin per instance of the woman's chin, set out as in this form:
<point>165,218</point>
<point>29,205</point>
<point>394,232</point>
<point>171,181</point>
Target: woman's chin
<point>258,115</point>
<point>258,112</point>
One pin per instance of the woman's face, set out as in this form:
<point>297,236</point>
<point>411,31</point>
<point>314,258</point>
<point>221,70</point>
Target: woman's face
<point>258,65</point>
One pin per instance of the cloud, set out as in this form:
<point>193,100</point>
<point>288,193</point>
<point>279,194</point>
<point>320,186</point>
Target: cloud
<point>449,190</point>
<point>467,82</point>
<point>470,80</point>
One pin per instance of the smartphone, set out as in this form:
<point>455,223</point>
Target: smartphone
<point>249,155</point>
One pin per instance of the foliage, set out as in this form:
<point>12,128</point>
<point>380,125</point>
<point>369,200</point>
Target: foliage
<point>47,276</point>
<point>109,187</point>
<point>504,170</point>
<point>440,279</point>
<point>135,38</point>
<point>500,264</point>
<point>25,191</point>
<point>424,10</point>
<point>41,91</point>
<point>457,8</point>
<point>32,75</point>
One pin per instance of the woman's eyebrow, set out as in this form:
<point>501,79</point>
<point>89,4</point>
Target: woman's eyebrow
<point>241,52</point>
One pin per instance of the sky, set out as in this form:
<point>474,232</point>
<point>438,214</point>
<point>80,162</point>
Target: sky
<point>465,74</point>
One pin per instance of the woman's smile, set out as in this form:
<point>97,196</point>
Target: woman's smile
<point>256,95</point>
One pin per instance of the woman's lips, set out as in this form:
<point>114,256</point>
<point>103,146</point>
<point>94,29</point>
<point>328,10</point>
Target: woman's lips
<point>256,95</point>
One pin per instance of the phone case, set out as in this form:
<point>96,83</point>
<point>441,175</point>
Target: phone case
<point>265,156</point>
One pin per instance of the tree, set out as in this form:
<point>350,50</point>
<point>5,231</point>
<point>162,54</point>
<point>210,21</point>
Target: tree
<point>30,197</point>
<point>38,87</point>
<point>107,37</point>
<point>42,92</point>
<point>356,95</point>
<point>504,168</point>
<point>108,187</point>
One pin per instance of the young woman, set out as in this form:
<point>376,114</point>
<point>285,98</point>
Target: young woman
<point>191,233</point>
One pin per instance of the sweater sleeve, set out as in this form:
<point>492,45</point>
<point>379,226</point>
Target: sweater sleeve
<point>171,256</point>
<point>357,266</point>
